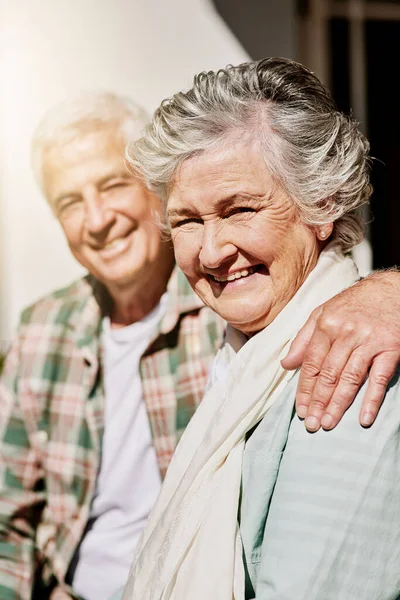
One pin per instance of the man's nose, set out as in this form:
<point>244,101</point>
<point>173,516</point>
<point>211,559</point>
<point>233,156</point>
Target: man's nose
<point>216,247</point>
<point>98,215</point>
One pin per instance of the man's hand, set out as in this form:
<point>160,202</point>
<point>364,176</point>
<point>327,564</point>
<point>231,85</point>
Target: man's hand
<point>356,331</point>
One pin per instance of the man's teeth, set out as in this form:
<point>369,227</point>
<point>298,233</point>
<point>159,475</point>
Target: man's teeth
<point>114,244</point>
<point>236,275</point>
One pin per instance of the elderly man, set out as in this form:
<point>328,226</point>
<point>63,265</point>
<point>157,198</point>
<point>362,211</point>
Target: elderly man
<point>104,375</point>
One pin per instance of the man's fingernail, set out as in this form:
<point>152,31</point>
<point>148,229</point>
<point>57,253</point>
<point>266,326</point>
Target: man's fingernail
<point>312,423</point>
<point>302,411</point>
<point>327,421</point>
<point>367,418</point>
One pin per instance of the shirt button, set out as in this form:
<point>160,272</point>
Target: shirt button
<point>41,437</point>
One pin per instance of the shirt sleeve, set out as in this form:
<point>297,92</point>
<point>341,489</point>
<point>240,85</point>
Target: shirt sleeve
<point>21,487</point>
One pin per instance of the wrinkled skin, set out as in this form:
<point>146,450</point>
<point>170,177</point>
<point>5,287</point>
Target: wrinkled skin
<point>355,334</point>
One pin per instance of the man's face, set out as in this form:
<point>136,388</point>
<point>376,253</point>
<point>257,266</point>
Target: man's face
<point>107,214</point>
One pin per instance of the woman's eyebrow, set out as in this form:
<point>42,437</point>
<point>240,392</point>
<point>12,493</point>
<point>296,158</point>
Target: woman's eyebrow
<point>221,204</point>
<point>239,197</point>
<point>179,212</point>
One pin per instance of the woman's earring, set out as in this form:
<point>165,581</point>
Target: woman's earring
<point>323,235</point>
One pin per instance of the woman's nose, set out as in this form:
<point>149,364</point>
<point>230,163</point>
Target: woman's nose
<point>216,248</point>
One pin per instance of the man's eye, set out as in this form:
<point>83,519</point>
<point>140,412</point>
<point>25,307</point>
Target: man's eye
<point>67,205</point>
<point>114,185</point>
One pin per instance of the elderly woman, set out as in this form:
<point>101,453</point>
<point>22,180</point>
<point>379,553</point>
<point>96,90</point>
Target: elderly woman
<point>263,180</point>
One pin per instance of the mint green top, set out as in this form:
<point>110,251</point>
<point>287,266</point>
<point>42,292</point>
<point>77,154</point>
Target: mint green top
<point>320,513</point>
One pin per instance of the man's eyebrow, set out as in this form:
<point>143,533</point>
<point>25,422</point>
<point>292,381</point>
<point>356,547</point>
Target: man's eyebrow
<point>118,175</point>
<point>62,197</point>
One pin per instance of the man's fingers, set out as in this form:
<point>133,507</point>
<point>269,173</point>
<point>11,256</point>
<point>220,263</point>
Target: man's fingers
<point>327,408</point>
<point>381,372</point>
<point>349,382</point>
<point>318,348</point>
<point>332,371</point>
<point>295,356</point>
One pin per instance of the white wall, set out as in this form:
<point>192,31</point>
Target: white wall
<point>52,49</point>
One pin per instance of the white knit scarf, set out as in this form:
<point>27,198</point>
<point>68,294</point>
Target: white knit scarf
<point>191,548</point>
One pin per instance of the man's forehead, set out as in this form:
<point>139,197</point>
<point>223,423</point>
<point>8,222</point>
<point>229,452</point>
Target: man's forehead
<point>89,144</point>
<point>85,159</point>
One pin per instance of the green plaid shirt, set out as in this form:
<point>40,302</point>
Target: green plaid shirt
<point>51,421</point>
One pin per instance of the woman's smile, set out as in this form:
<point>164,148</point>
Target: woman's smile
<point>236,278</point>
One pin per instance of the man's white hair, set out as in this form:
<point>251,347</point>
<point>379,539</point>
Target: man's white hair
<point>88,113</point>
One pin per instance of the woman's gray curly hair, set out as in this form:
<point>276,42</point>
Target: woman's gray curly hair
<point>316,152</point>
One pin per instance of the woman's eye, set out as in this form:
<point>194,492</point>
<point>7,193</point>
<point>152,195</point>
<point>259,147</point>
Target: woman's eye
<point>183,222</point>
<point>240,210</point>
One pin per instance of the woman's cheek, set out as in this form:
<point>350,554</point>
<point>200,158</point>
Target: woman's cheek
<point>185,251</point>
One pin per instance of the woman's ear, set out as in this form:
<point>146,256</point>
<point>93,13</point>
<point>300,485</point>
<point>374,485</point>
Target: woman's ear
<point>324,231</point>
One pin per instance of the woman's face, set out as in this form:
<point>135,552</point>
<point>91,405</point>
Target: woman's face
<point>238,237</point>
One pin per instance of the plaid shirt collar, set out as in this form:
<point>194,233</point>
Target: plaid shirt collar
<point>181,300</point>
<point>93,301</point>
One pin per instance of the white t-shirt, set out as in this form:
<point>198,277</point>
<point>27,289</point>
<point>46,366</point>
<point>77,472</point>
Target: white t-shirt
<point>129,479</point>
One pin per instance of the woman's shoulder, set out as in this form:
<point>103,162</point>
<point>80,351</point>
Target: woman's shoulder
<point>281,435</point>
<point>304,491</point>
<point>281,422</point>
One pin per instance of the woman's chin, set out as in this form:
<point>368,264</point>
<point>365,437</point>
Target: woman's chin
<point>247,321</point>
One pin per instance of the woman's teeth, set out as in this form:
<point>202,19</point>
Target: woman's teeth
<point>233,276</point>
